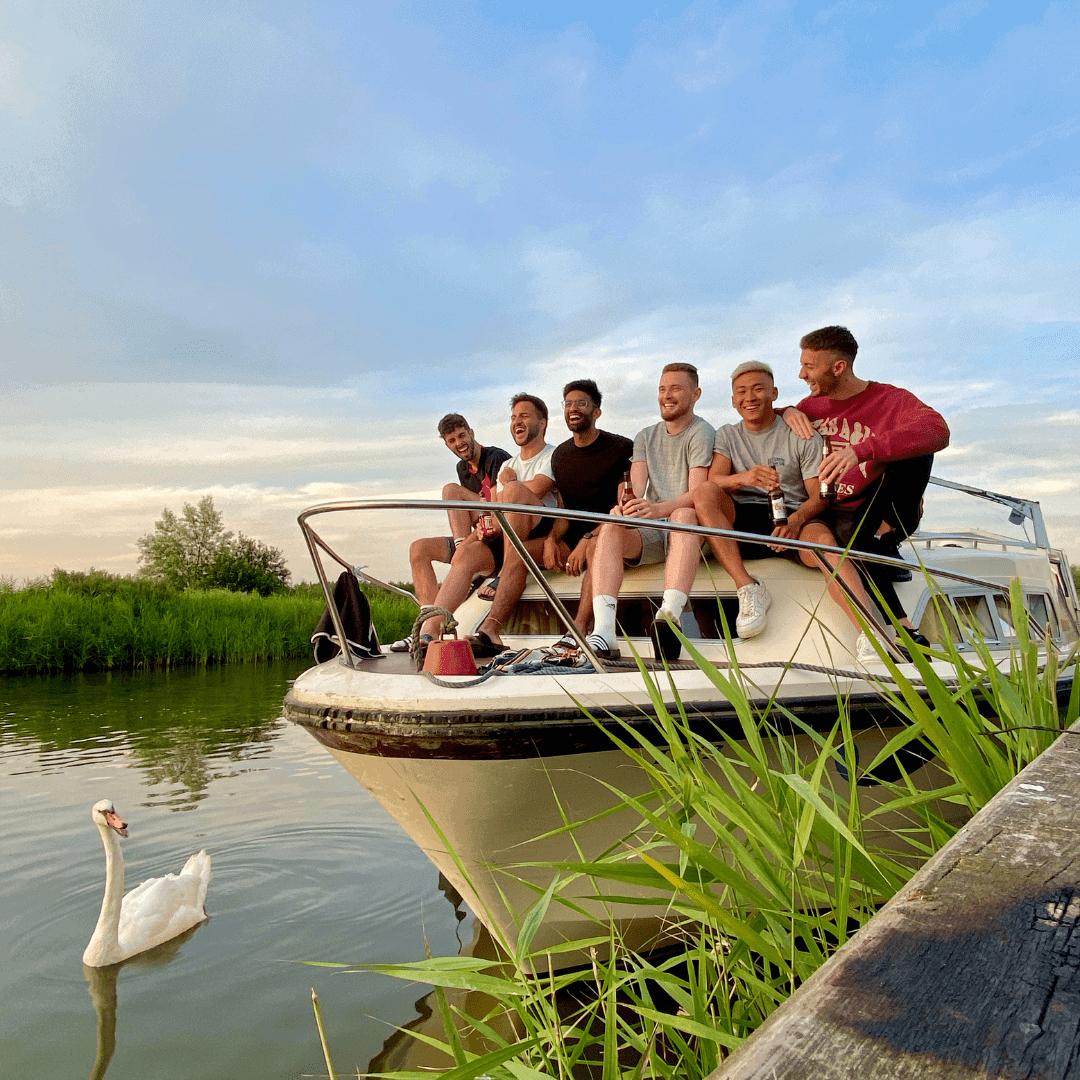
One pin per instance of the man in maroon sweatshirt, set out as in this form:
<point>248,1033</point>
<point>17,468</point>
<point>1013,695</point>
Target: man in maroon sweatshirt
<point>883,444</point>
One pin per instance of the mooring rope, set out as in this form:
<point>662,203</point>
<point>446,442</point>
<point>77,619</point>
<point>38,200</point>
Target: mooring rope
<point>417,652</point>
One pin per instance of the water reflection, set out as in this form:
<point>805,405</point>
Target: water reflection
<point>101,983</point>
<point>306,867</point>
<point>180,728</point>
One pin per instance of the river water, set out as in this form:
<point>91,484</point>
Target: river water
<point>306,866</point>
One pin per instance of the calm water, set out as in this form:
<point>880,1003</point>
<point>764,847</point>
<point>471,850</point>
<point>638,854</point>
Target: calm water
<point>306,866</point>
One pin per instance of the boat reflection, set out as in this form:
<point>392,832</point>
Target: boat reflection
<point>101,984</point>
<point>410,1048</point>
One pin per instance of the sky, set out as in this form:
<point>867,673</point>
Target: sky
<point>256,250</point>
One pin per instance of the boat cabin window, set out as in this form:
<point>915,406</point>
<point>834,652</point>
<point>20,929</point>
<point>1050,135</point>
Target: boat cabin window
<point>1042,613</point>
<point>982,613</point>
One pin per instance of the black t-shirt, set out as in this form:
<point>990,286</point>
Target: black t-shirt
<point>490,465</point>
<point>588,476</point>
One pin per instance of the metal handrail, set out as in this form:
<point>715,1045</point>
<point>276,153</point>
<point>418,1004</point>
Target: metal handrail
<point>314,541</point>
<point>973,538</point>
<point>1019,508</point>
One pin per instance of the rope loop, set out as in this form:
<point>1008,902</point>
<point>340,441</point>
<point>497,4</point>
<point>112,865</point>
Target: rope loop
<point>426,612</point>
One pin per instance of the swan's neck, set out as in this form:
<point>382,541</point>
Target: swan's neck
<point>104,942</point>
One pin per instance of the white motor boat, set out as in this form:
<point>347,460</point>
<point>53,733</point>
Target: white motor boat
<point>475,769</point>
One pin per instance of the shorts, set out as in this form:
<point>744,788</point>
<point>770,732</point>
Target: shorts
<point>755,518</point>
<point>654,547</point>
<point>450,549</point>
<point>496,542</point>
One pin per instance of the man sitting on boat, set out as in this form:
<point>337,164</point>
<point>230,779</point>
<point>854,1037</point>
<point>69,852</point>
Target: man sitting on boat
<point>478,472</point>
<point>525,479</point>
<point>752,458</point>
<point>884,440</point>
<point>588,470</point>
<point>669,461</point>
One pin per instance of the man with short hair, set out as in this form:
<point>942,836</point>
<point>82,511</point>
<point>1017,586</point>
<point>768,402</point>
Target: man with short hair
<point>526,479</point>
<point>751,459</point>
<point>669,461</point>
<point>883,444</point>
<point>588,469</point>
<point>477,469</point>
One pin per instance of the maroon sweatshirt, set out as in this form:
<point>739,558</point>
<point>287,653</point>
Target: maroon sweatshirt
<point>883,423</point>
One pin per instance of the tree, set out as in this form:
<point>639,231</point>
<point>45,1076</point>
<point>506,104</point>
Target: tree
<point>248,565</point>
<point>181,550</point>
<point>193,551</point>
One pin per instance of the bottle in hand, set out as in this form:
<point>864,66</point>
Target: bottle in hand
<point>628,489</point>
<point>827,488</point>
<point>777,507</point>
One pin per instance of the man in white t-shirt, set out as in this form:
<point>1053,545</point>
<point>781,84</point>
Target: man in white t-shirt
<point>526,479</point>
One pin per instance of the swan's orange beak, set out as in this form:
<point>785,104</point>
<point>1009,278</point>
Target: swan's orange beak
<point>112,819</point>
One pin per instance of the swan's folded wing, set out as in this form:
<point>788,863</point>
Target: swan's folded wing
<point>199,866</point>
<point>159,909</point>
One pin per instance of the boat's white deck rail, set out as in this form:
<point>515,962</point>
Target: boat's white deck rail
<point>316,546</point>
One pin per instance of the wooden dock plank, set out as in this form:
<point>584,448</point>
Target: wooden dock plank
<point>971,970</point>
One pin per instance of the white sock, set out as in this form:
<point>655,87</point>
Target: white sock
<point>603,608</point>
<point>674,603</point>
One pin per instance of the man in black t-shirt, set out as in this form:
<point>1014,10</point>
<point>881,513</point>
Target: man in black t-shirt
<point>476,465</point>
<point>591,465</point>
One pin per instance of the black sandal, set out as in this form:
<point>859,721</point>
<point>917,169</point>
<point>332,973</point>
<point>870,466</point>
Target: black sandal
<point>493,585</point>
<point>483,647</point>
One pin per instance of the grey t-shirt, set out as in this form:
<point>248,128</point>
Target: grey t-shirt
<point>671,457</point>
<point>795,459</point>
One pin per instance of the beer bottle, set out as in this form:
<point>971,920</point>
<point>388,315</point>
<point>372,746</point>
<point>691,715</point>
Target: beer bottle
<point>777,508</point>
<point>827,489</point>
<point>628,488</point>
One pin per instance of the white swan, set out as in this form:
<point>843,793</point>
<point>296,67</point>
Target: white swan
<point>155,911</point>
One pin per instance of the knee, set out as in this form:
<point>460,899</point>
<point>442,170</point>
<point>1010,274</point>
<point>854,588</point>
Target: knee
<point>684,516</point>
<point>705,494</point>
<point>452,491</point>
<point>416,552</point>
<point>514,492</point>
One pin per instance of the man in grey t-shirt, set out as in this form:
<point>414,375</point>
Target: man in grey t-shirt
<point>670,459</point>
<point>753,457</point>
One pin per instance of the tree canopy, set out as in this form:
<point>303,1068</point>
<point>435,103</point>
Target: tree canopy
<point>192,550</point>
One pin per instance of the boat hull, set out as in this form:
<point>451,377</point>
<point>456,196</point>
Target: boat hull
<point>476,794</point>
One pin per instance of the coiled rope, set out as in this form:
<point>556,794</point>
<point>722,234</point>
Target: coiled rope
<point>416,650</point>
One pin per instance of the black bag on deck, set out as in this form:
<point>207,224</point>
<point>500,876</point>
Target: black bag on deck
<point>355,613</point>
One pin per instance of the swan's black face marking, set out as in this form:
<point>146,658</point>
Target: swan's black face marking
<point>112,819</point>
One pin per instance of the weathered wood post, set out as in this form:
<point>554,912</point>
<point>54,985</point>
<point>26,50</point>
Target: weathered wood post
<point>971,970</point>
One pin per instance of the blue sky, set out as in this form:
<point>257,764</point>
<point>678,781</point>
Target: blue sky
<point>257,249</point>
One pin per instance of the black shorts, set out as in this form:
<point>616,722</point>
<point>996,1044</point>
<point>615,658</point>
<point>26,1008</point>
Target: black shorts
<point>755,518</point>
<point>496,542</point>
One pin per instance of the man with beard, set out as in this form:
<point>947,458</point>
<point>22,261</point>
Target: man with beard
<point>478,472</point>
<point>883,444</point>
<point>670,460</point>
<point>526,479</point>
<point>588,470</point>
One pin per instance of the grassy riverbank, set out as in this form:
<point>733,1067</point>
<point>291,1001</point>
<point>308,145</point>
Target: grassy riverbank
<point>94,622</point>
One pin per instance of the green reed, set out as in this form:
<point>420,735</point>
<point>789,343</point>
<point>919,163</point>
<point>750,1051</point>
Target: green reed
<point>125,623</point>
<point>764,856</point>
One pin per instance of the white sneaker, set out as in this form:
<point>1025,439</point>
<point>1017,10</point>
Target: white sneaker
<point>865,653</point>
<point>754,601</point>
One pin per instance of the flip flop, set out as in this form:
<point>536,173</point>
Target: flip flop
<point>490,587</point>
<point>483,647</point>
